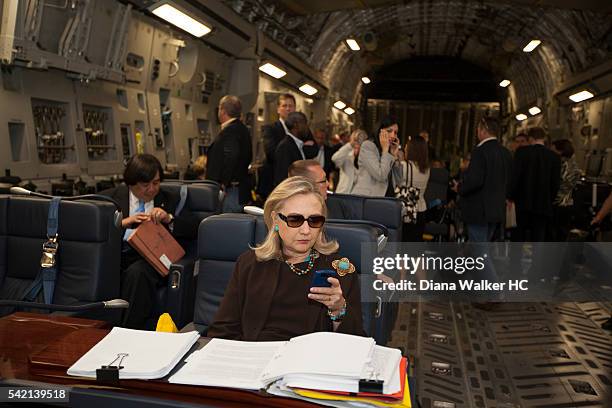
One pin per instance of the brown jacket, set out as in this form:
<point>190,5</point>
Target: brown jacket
<point>249,294</point>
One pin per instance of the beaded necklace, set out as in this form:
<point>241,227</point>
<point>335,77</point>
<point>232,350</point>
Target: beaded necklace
<point>310,259</point>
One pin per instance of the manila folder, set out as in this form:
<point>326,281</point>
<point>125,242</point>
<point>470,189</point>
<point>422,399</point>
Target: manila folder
<point>155,244</point>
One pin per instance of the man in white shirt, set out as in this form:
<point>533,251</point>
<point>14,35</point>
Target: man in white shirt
<point>141,199</point>
<point>291,148</point>
<point>273,134</point>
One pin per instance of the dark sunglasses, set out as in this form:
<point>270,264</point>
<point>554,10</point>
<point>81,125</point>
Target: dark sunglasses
<point>296,220</point>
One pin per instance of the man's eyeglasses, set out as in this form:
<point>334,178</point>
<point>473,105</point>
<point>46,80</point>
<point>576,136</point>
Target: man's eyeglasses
<point>296,220</point>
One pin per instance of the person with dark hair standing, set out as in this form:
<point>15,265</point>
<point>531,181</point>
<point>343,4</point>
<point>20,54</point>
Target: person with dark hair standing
<point>324,151</point>
<point>564,202</point>
<point>141,199</point>
<point>535,182</point>
<point>519,141</point>
<point>378,156</point>
<point>603,212</point>
<point>415,172</point>
<point>291,148</point>
<point>230,155</point>
<point>272,136</point>
<point>484,184</point>
<point>431,151</point>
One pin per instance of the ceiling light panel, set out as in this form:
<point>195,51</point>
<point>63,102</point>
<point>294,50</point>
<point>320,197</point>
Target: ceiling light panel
<point>521,117</point>
<point>533,44</point>
<point>581,96</point>
<point>272,70</point>
<point>308,89</point>
<point>183,21</point>
<point>353,45</point>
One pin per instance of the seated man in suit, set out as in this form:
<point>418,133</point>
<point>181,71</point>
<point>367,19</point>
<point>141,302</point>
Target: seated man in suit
<point>141,199</point>
<point>291,148</point>
<point>312,170</point>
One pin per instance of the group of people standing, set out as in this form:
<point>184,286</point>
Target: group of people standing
<point>539,181</point>
<point>535,181</point>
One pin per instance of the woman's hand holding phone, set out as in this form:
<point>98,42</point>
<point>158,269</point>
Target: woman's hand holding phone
<point>384,140</point>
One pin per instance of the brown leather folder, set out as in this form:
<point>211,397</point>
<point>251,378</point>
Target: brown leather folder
<point>155,244</point>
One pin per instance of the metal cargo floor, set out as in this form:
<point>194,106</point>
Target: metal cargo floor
<point>516,355</point>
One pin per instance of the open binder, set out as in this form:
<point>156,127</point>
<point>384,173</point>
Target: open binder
<point>155,244</point>
<point>134,354</point>
<point>319,361</point>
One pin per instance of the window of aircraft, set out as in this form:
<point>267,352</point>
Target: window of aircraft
<point>122,98</point>
<point>134,60</point>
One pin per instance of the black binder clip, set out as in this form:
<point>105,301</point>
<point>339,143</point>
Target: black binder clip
<point>109,374</point>
<point>375,386</point>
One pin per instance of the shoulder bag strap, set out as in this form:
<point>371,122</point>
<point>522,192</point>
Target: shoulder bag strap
<point>47,276</point>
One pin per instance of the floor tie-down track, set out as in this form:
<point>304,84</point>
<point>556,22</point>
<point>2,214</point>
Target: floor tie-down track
<point>516,355</point>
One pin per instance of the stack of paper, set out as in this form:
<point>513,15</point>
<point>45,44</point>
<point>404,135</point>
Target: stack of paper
<point>400,399</point>
<point>324,357</point>
<point>228,363</point>
<point>383,365</point>
<point>334,364</point>
<point>142,354</point>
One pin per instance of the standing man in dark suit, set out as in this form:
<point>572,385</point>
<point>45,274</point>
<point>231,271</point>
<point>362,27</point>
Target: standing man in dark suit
<point>291,148</point>
<point>141,199</point>
<point>324,151</point>
<point>272,135</point>
<point>230,155</point>
<point>536,178</point>
<point>484,184</point>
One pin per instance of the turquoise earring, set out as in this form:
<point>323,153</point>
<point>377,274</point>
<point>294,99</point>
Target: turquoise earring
<point>276,228</point>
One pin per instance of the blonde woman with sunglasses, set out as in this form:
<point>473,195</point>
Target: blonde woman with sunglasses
<point>270,296</point>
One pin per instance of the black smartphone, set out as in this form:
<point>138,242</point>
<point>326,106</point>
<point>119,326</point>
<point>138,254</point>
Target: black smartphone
<point>319,279</point>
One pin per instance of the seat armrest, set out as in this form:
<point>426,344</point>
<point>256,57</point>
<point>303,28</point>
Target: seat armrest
<point>181,291</point>
<point>200,328</point>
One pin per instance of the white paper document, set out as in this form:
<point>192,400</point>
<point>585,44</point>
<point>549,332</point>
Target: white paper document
<point>322,353</point>
<point>320,361</point>
<point>142,354</point>
<point>383,365</point>
<point>228,363</point>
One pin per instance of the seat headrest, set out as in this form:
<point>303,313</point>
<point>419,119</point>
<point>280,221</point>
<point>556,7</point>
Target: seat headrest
<point>203,197</point>
<point>4,200</point>
<point>84,221</point>
<point>233,234</point>
<point>387,212</point>
<point>350,236</point>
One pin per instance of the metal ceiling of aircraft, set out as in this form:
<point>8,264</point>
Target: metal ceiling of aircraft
<point>319,6</point>
<point>489,34</point>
